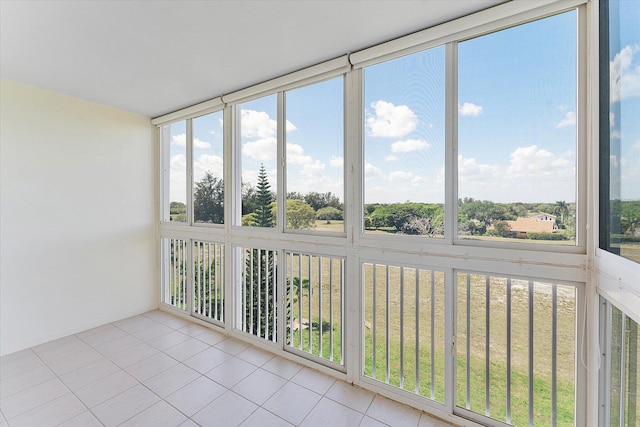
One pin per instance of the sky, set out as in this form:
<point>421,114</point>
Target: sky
<point>624,116</point>
<point>516,123</point>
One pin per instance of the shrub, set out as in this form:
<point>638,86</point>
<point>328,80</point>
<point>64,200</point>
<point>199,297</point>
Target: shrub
<point>546,236</point>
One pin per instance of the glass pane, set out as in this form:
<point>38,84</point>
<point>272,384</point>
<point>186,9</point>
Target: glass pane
<point>623,399</point>
<point>208,185</point>
<point>517,133</point>
<point>404,145</point>
<point>624,135</point>
<point>178,171</point>
<point>315,146</point>
<point>258,124</point>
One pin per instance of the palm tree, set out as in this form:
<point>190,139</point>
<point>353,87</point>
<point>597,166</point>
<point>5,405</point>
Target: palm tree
<point>562,209</point>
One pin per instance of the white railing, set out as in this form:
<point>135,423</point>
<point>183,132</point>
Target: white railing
<point>404,318</point>
<point>208,280</point>
<point>620,374</point>
<point>257,289</point>
<point>516,349</point>
<point>176,283</point>
<point>514,345</point>
<point>314,301</point>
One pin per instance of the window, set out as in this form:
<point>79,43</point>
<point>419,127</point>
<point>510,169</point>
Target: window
<point>258,132</point>
<point>208,183</point>
<point>517,133</point>
<point>404,145</point>
<point>456,140</point>
<point>176,135</point>
<point>620,131</point>
<point>315,156</point>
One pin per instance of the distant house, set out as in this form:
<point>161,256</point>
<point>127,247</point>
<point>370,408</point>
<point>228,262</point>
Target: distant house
<point>539,222</point>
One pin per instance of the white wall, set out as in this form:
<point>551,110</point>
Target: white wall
<point>77,234</point>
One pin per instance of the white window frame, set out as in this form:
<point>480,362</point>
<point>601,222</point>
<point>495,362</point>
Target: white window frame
<point>544,262</point>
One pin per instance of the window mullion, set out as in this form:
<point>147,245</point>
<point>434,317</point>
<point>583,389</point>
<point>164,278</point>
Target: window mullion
<point>281,151</point>
<point>451,142</point>
<point>165,157</point>
<point>353,201</point>
<point>189,180</point>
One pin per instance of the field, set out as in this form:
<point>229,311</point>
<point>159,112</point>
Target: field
<point>406,359</point>
<point>404,343</point>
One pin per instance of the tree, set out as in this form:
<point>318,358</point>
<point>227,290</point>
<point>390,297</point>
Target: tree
<point>561,209</point>
<point>260,293</point>
<point>295,195</point>
<point>329,213</point>
<point>484,211</point>
<point>419,226</point>
<point>177,208</point>
<point>208,200</point>
<point>300,214</point>
<point>260,268</point>
<point>502,229</point>
<point>177,211</point>
<point>264,197</point>
<point>248,198</point>
<point>322,200</point>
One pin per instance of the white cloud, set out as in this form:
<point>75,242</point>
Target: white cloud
<point>290,126</point>
<point>409,145</point>
<point>181,141</point>
<point>615,134</point>
<point>535,162</point>
<point>533,175</point>
<point>613,161</point>
<point>259,124</point>
<point>391,158</point>
<point>569,120</point>
<point>612,119</point>
<point>469,109</point>
<point>295,155</point>
<point>336,161</point>
<point>470,170</point>
<point>207,163</point>
<point>403,177</point>
<point>262,149</point>
<point>315,169</point>
<point>178,178</point>
<point>624,75</point>
<point>370,171</point>
<point>198,143</point>
<point>391,120</point>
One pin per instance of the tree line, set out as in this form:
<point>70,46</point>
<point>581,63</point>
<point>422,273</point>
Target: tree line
<point>259,204</point>
<point>475,217</point>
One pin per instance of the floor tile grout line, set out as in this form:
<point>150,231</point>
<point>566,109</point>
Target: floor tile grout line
<point>258,366</point>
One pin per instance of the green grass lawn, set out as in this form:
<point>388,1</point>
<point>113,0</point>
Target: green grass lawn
<point>414,373</point>
<point>336,226</point>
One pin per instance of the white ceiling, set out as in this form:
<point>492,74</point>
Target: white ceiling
<point>154,57</point>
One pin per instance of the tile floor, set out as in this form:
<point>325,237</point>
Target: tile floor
<point>157,369</point>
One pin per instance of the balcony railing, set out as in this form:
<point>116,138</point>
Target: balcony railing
<point>315,305</point>
<point>404,328</point>
<point>208,280</point>
<point>512,357</point>
<point>516,349</point>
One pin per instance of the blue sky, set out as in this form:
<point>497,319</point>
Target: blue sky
<point>516,123</point>
<point>625,100</point>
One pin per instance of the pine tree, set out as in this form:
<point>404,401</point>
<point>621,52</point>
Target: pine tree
<point>260,270</point>
<point>264,198</point>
